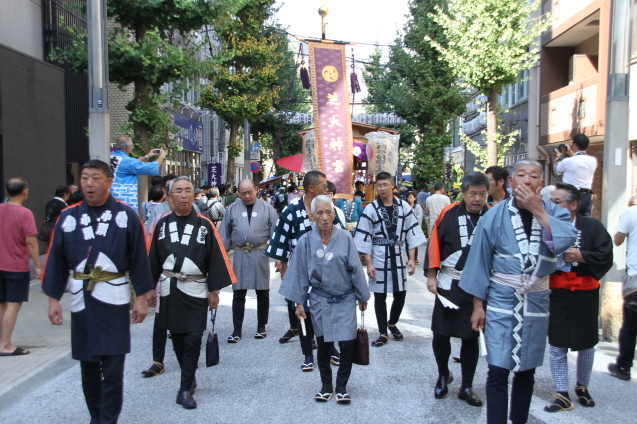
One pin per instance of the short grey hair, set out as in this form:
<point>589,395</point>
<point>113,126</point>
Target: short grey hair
<point>474,179</point>
<point>123,142</point>
<point>632,201</point>
<point>214,192</point>
<point>525,162</point>
<point>172,182</point>
<point>320,199</point>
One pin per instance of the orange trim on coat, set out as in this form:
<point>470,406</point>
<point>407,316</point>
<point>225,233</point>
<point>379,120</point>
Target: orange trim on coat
<point>433,250</point>
<point>233,277</point>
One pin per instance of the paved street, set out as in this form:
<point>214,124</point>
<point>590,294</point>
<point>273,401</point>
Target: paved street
<point>260,381</point>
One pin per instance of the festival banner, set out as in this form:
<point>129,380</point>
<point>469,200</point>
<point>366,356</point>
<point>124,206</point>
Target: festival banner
<point>214,174</point>
<point>332,121</point>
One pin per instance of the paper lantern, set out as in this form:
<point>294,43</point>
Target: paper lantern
<point>382,152</point>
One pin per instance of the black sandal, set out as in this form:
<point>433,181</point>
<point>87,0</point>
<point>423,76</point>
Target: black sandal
<point>560,403</point>
<point>395,332</point>
<point>583,397</point>
<point>289,335</point>
<point>155,369</point>
<point>380,341</point>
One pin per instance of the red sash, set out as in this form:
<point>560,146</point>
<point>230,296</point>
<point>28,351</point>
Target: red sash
<point>570,281</point>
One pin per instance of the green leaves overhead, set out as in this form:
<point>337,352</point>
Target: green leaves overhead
<point>489,41</point>
<point>243,76</point>
<point>420,87</point>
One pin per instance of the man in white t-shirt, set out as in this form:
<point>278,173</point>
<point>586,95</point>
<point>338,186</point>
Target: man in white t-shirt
<point>436,203</point>
<point>578,168</point>
<point>627,228</point>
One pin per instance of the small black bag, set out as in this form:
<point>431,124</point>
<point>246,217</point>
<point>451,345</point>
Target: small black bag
<point>361,353</point>
<point>46,231</point>
<point>212,345</point>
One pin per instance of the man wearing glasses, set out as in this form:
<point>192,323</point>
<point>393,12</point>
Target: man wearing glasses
<point>188,259</point>
<point>388,234</point>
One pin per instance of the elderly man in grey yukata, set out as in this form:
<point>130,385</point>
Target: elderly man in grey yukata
<point>514,250</point>
<point>247,227</point>
<point>326,265</point>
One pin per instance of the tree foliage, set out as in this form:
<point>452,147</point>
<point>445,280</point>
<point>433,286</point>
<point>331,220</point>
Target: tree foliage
<point>243,76</point>
<point>489,42</point>
<point>292,99</point>
<point>419,87</point>
<point>153,43</point>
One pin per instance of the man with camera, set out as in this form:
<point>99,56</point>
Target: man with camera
<point>125,170</point>
<point>577,168</point>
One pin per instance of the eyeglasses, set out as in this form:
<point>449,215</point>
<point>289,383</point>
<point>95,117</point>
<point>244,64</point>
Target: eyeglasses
<point>383,185</point>
<point>558,202</point>
<point>181,191</point>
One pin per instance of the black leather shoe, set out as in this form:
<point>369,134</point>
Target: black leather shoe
<point>441,388</point>
<point>186,400</point>
<point>468,395</point>
<point>619,372</point>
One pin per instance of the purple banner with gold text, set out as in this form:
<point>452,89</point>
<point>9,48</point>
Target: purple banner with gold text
<point>332,121</point>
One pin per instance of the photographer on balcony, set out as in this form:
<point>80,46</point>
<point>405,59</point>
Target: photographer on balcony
<point>577,168</point>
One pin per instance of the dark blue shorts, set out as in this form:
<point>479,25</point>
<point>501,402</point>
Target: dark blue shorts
<point>14,286</point>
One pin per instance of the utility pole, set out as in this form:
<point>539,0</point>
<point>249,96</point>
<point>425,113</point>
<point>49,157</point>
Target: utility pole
<point>616,181</point>
<point>99,122</point>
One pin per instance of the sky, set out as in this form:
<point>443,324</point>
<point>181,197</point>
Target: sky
<point>362,21</point>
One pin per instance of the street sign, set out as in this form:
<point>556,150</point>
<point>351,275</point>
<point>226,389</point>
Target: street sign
<point>255,147</point>
<point>255,166</point>
<point>255,155</point>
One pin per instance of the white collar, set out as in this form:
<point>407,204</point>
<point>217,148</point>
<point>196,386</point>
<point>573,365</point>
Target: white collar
<point>61,200</point>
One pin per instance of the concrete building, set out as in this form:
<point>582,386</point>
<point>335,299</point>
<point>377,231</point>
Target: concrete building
<point>33,108</point>
<point>574,79</point>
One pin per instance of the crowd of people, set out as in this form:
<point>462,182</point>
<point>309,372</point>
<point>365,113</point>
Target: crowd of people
<point>535,262</point>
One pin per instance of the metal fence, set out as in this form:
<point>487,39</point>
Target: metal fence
<point>57,15</point>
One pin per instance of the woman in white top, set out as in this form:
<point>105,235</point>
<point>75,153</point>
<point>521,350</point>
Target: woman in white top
<point>418,213</point>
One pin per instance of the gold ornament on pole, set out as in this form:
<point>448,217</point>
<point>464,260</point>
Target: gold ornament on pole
<point>323,11</point>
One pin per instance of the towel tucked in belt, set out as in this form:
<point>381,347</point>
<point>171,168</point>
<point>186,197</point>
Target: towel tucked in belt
<point>182,276</point>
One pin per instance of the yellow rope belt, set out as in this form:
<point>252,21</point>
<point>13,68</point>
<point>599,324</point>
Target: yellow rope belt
<point>97,275</point>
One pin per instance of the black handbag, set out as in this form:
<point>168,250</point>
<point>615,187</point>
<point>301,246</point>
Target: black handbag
<point>361,353</point>
<point>46,230</point>
<point>212,345</point>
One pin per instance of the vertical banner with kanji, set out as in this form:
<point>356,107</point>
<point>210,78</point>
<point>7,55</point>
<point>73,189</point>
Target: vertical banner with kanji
<point>214,174</point>
<point>332,122</point>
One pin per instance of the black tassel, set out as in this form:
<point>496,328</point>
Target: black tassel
<point>305,78</point>
<point>356,87</point>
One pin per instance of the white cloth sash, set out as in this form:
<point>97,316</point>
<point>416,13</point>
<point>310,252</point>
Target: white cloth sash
<point>522,283</point>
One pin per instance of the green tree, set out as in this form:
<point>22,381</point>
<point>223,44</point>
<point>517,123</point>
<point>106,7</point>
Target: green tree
<point>154,43</point>
<point>419,87</point>
<point>489,42</point>
<point>243,76</point>
<point>278,137</point>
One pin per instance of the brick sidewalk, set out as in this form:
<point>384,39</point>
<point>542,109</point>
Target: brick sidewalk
<point>48,343</point>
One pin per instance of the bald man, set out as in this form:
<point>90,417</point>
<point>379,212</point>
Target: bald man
<point>247,227</point>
